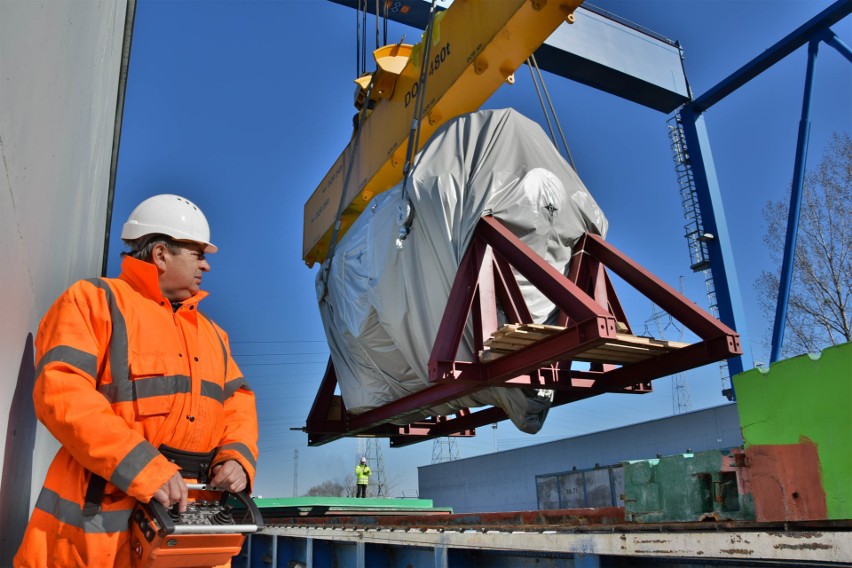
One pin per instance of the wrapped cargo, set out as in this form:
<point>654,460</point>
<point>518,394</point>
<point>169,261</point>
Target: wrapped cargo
<point>383,296</point>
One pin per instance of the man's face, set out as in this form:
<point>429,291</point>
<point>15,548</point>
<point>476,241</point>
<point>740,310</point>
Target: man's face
<point>181,272</point>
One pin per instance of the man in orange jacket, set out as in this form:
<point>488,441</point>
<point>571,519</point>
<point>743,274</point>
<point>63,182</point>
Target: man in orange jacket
<point>140,389</point>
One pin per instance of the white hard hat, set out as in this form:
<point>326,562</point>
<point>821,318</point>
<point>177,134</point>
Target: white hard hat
<point>363,460</point>
<point>170,215</point>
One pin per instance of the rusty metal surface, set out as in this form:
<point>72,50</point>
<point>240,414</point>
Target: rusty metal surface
<point>786,482</point>
<point>521,520</point>
<point>605,519</point>
<point>591,532</point>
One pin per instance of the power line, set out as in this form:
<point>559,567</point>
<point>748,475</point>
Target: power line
<point>445,449</point>
<point>280,354</point>
<point>286,342</point>
<point>284,363</point>
<point>680,389</point>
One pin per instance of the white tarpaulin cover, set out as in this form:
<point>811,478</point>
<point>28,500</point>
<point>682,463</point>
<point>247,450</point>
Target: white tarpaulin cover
<point>382,304</point>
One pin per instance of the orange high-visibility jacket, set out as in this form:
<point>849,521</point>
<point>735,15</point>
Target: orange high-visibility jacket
<point>118,373</point>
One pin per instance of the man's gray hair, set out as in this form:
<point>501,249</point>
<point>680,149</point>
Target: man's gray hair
<point>143,247</point>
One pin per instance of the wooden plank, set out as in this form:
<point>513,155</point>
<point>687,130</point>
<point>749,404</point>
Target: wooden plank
<point>625,349</point>
<point>508,343</point>
<point>523,334</point>
<point>642,340</point>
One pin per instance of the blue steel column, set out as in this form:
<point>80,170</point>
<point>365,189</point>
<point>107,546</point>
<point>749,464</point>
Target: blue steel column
<point>834,41</point>
<point>728,298</point>
<point>587,561</point>
<point>359,555</point>
<point>441,556</point>
<point>707,185</point>
<point>787,263</point>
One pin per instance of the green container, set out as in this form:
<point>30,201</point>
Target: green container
<point>686,487</point>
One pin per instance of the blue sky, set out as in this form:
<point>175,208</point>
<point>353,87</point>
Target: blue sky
<point>243,106</point>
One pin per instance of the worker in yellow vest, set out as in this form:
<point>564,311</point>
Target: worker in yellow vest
<point>362,478</point>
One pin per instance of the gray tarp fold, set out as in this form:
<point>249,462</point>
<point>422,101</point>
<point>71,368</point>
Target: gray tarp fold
<point>385,299</point>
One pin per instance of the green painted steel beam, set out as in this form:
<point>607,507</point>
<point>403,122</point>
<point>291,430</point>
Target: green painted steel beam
<point>318,506</point>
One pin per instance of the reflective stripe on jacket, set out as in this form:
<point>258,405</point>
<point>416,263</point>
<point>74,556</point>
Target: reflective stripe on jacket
<point>118,373</point>
<point>362,472</point>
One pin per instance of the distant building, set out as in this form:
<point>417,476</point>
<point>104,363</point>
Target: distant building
<point>524,479</point>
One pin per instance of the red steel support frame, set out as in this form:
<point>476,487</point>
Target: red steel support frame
<point>589,311</point>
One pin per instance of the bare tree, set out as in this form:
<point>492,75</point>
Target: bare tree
<point>327,488</point>
<point>818,311</point>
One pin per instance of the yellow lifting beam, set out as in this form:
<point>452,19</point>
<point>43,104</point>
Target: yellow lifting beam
<point>476,46</point>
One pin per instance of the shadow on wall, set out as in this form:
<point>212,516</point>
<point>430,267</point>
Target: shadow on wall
<point>18,461</point>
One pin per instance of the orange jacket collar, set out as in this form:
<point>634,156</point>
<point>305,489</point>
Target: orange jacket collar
<point>144,278</point>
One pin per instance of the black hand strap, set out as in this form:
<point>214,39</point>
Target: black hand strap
<point>94,495</point>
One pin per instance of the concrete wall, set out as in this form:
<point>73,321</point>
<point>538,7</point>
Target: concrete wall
<point>59,91</point>
<point>505,481</point>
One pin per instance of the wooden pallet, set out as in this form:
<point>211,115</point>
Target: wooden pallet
<point>623,350</point>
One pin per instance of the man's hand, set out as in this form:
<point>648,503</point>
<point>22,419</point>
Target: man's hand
<point>229,476</point>
<point>173,491</point>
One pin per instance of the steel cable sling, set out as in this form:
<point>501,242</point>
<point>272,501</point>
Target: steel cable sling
<point>360,37</point>
<point>537,78</point>
<point>413,138</point>
<point>407,216</point>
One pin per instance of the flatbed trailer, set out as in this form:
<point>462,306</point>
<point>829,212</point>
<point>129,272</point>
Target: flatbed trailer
<point>570,537</point>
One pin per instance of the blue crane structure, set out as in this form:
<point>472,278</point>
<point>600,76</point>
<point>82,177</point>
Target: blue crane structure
<point>812,33</point>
